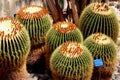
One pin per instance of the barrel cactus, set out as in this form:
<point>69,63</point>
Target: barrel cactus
<point>102,47</point>
<point>60,33</point>
<point>36,20</point>
<point>99,17</point>
<point>71,61</point>
<point>14,49</point>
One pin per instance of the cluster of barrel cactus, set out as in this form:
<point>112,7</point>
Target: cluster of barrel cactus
<point>102,47</point>
<point>96,18</point>
<point>14,49</point>
<point>67,56</point>
<point>71,61</point>
<point>60,33</point>
<point>99,17</point>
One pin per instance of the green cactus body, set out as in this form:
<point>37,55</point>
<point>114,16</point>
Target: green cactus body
<point>71,61</point>
<point>14,47</point>
<point>99,17</point>
<point>36,20</point>
<point>102,46</point>
<point>60,33</point>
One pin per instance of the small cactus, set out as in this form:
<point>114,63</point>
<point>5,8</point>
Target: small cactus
<point>14,49</point>
<point>102,47</point>
<point>99,17</point>
<point>71,61</point>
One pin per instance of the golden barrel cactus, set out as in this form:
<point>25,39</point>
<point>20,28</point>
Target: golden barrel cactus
<point>14,49</point>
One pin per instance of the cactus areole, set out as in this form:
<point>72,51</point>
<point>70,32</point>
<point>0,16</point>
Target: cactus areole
<point>71,50</point>
<point>64,27</point>
<point>101,8</point>
<point>9,28</point>
<point>32,12</point>
<point>99,38</point>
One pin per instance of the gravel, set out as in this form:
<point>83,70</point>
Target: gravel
<point>116,74</point>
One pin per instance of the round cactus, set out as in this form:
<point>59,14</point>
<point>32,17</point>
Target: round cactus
<point>62,32</point>
<point>102,47</point>
<point>36,20</point>
<point>99,17</point>
<point>14,49</point>
<point>71,61</point>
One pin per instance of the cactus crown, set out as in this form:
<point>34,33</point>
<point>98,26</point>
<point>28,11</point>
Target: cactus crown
<point>71,49</point>
<point>64,27</point>
<point>10,29</point>
<point>101,8</point>
<point>101,39</point>
<point>32,12</point>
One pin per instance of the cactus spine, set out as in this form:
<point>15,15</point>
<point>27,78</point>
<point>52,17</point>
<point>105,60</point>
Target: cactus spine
<point>99,17</point>
<point>14,49</point>
<point>102,46</point>
<point>70,61</point>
